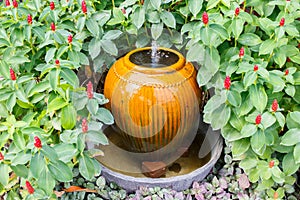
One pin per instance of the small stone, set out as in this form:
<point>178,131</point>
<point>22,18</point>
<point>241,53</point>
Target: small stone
<point>154,169</point>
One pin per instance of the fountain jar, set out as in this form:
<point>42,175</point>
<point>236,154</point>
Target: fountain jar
<point>154,104</point>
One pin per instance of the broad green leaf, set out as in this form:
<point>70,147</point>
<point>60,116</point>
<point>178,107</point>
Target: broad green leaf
<point>70,76</point>
<point>290,90</point>
<point>68,117</point>
<point>37,164</point>
<point>102,16</point>
<point>112,34</point>
<point>291,137</point>
<point>250,78</point>
<point>93,27</point>
<point>4,174</point>
<point>86,167</point>
<point>230,133</point>
<point>56,104</point>
<point>249,130</point>
<point>60,171</point>
<point>258,142</point>
<point>138,17</point>
<point>296,153</point>
<point>109,47</point>
<point>220,30</point>
<point>105,116</point>
<point>195,6</point>
<point>212,3</point>
<point>83,59</point>
<point>65,152</point>
<point>258,97</point>
<point>11,102</point>
<point>58,37</point>
<point>54,78</point>
<point>234,98</point>
<point>237,122</point>
<point>220,116</point>
<point>19,140</point>
<point>267,47</point>
<point>50,54</point>
<point>80,23</point>
<point>248,163</point>
<point>97,137</point>
<point>21,158</point>
<point>239,147</point>
<point>277,82</point>
<point>92,106</point>
<point>39,88</point>
<point>46,181</point>
<point>249,39</point>
<point>196,53</point>
<point>156,30</point>
<point>237,27</point>
<point>156,4</point>
<point>280,118</point>
<point>267,120</point>
<point>94,48</point>
<point>49,153</point>
<point>74,57</point>
<point>168,19</point>
<point>289,165</point>
<point>20,170</point>
<point>18,59</point>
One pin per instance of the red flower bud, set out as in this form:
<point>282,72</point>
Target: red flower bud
<point>227,83</point>
<point>84,125</point>
<point>89,90</point>
<point>1,156</point>
<point>286,72</point>
<point>274,105</point>
<point>288,59</point>
<point>237,11</point>
<point>123,11</point>
<point>142,2</point>
<point>15,4</point>
<point>52,26</point>
<point>271,163</point>
<point>205,18</point>
<point>242,52</point>
<point>255,68</point>
<point>37,142</point>
<point>275,196</point>
<point>52,5</point>
<point>7,2</point>
<point>281,23</point>
<point>299,45</point>
<point>29,19</point>
<point>83,7</point>
<point>70,39</point>
<point>258,119</point>
<point>57,62</point>
<point>29,187</point>
<point>12,74</point>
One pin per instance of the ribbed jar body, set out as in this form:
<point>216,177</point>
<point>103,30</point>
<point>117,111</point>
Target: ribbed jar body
<point>153,106</point>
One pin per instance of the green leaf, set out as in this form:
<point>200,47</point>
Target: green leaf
<point>19,59</point>
<point>68,117</point>
<point>60,171</point>
<point>280,118</point>
<point>112,34</point>
<point>109,47</point>
<point>46,181</point>
<point>138,17</point>
<point>239,147</point>
<point>249,130</point>
<point>54,78</point>
<point>220,30</point>
<point>291,137</point>
<point>250,78</point>
<point>94,48</point>
<point>220,116</point>
<point>56,104</point>
<point>195,6</point>
<point>50,54</point>
<point>80,23</point>
<point>11,102</point>
<point>70,76</point>
<point>196,53</point>
<point>258,97</point>
<point>21,158</point>
<point>212,3</point>
<point>102,16</point>
<point>58,37</point>
<point>86,167</point>
<point>65,152</point>
<point>92,106</point>
<point>248,163</point>
<point>105,116</point>
<point>37,164</point>
<point>83,59</point>
<point>277,82</point>
<point>237,27</point>
<point>267,120</point>
<point>20,170</point>
<point>168,19</point>
<point>97,137</point>
<point>49,153</point>
<point>156,30</point>
<point>267,47</point>
<point>258,142</point>
<point>289,165</point>
<point>234,98</point>
<point>93,27</point>
<point>296,153</point>
<point>249,39</point>
<point>4,174</point>
<point>290,90</point>
<point>19,140</point>
<point>156,4</point>
<point>39,88</point>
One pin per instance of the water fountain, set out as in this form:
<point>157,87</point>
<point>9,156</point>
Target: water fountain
<point>158,138</point>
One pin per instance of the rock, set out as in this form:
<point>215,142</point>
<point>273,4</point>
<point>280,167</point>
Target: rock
<point>154,169</point>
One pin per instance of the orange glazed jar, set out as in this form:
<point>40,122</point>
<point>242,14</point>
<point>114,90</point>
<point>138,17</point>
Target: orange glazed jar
<point>154,103</point>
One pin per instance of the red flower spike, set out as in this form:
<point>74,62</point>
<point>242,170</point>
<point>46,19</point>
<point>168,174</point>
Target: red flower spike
<point>255,68</point>
<point>29,187</point>
<point>205,18</point>
<point>275,195</point>
<point>12,74</point>
<point>288,59</point>
<point>7,3</point>
<point>89,90</point>
<point>57,62</point>
<point>281,23</point>
<point>242,52</point>
<point>274,105</point>
<point>84,125</point>
<point>271,163</point>
<point>70,39</point>
<point>52,5</point>
<point>52,26</point>
<point>237,11</point>
<point>29,19</point>
<point>15,4</point>
<point>37,142</point>
<point>299,45</point>
<point>286,72</point>
<point>227,83</point>
<point>83,7</point>
<point>1,156</point>
<point>123,11</point>
<point>258,119</point>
